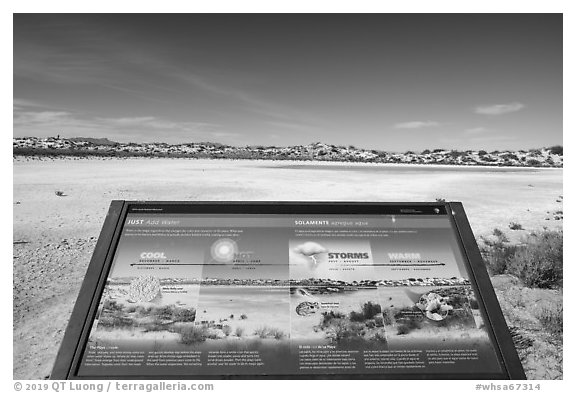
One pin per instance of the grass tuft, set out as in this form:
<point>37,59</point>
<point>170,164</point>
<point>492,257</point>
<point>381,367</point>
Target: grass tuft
<point>552,319</point>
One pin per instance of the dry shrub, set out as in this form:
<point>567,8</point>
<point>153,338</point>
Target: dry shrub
<point>267,332</point>
<point>262,332</point>
<point>278,334</point>
<point>497,253</point>
<point>357,316</point>
<point>515,226</point>
<point>192,334</point>
<point>539,263</point>
<point>328,316</point>
<point>370,310</point>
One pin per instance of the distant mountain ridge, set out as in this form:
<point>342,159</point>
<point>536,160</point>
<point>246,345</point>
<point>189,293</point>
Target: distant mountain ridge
<point>94,141</point>
<point>82,146</point>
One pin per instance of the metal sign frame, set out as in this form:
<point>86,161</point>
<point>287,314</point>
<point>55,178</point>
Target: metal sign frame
<point>76,335</point>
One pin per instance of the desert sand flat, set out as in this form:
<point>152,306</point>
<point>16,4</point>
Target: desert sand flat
<point>492,196</point>
<point>55,235</point>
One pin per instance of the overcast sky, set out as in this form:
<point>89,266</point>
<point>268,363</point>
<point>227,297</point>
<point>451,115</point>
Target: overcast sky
<point>390,82</point>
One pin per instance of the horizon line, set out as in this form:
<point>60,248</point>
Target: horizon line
<point>350,146</point>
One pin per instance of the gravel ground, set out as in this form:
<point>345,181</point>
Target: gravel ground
<point>47,278</point>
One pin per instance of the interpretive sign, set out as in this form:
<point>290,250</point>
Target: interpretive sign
<point>286,290</point>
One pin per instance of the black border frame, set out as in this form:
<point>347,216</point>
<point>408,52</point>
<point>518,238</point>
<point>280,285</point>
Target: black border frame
<point>68,357</point>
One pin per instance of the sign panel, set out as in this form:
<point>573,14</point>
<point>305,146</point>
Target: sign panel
<point>288,290</point>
